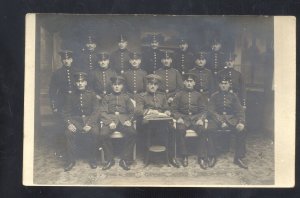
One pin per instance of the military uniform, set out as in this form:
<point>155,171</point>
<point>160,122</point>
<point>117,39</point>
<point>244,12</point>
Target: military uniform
<point>120,60</point>
<point>88,58</point>
<point>135,81</point>
<point>225,107</point>
<point>118,108</point>
<point>81,109</point>
<point>216,61</point>
<point>183,60</point>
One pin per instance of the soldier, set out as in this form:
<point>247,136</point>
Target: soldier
<point>152,54</point>
<point>101,76</point>
<point>117,116</point>
<point>62,81</point>
<point>184,58</point>
<point>171,78</point>
<point>189,109</point>
<point>80,114</point>
<point>88,58</point>
<point>155,101</point>
<point>236,82</point>
<point>226,112</point>
<point>120,57</point>
<point>216,60</point>
<point>205,81</point>
<point>135,76</point>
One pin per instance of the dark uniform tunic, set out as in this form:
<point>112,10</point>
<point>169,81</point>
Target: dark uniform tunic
<point>87,61</point>
<point>205,82</point>
<point>100,80</point>
<point>216,62</point>
<point>226,107</point>
<point>61,84</point>
<point>117,108</point>
<point>191,106</point>
<point>171,81</point>
<point>81,109</point>
<point>183,61</point>
<point>151,59</point>
<point>237,84</point>
<point>135,81</point>
<point>120,60</point>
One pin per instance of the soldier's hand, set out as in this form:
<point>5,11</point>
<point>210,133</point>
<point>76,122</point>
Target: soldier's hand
<point>98,97</point>
<point>240,126</point>
<point>112,125</point>
<point>72,128</point>
<point>180,121</point>
<point>168,113</point>
<point>224,125</point>
<point>127,123</point>
<point>199,122</point>
<point>170,100</point>
<point>87,128</point>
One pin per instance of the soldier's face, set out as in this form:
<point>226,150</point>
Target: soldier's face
<point>123,44</point>
<point>229,63</point>
<point>152,87</point>
<point>200,62</point>
<point>166,62</point>
<point>224,86</point>
<point>91,46</point>
<point>154,44</point>
<point>135,62</point>
<point>189,83</point>
<point>67,62</point>
<point>81,84</point>
<point>216,47</point>
<point>183,46</point>
<point>104,63</point>
<point>117,87</point>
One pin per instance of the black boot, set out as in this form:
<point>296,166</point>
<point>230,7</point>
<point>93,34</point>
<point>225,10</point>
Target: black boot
<point>185,161</point>
<point>108,165</point>
<point>174,162</point>
<point>241,163</point>
<point>124,165</point>
<point>69,165</point>
<point>212,161</point>
<point>202,162</point>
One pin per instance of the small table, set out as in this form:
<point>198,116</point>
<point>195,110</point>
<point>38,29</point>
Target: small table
<point>158,148</point>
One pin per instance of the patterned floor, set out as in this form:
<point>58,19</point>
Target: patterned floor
<point>48,168</point>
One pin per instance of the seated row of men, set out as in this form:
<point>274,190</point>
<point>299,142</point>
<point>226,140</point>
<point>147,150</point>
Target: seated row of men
<point>83,110</point>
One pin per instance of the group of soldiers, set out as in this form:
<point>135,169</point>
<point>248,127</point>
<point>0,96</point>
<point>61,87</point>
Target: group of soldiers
<point>101,93</point>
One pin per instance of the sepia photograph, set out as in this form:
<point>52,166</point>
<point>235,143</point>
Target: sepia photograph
<point>159,100</point>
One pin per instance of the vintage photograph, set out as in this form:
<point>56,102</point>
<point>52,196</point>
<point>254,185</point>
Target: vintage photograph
<point>151,100</point>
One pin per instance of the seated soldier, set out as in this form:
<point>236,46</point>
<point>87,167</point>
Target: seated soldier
<point>155,103</point>
<point>189,109</point>
<point>135,76</point>
<point>117,115</point>
<point>80,113</point>
<point>226,112</point>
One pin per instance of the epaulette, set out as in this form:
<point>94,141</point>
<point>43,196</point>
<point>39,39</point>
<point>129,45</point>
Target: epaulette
<point>215,93</point>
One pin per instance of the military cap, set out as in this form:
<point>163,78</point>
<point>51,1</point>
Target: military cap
<point>90,39</point>
<point>201,55</point>
<point>135,55</point>
<point>122,38</point>
<point>103,56</point>
<point>216,40</point>
<point>230,56</point>
<point>154,37</point>
<point>153,78</point>
<point>80,76</point>
<point>224,79</point>
<point>66,54</point>
<point>167,54</point>
<point>183,41</point>
<point>189,75</point>
<point>117,79</point>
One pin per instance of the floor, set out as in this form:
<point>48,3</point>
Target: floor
<point>49,161</point>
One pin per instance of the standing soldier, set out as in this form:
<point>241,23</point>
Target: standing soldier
<point>216,61</point>
<point>151,53</point>
<point>171,78</point>
<point>117,115</point>
<point>189,109</point>
<point>120,57</point>
<point>184,58</point>
<point>205,81</point>
<point>156,102</point>
<point>100,77</point>
<point>226,112</point>
<point>236,82</point>
<point>81,117</point>
<point>88,58</point>
<point>135,76</point>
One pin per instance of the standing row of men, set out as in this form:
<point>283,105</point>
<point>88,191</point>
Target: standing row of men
<point>111,84</point>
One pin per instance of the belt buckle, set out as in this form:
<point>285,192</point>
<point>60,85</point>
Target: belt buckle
<point>134,91</point>
<point>224,113</point>
<point>83,116</point>
<point>167,90</point>
<point>190,113</point>
<point>182,72</point>
<point>117,113</point>
<point>201,90</point>
<point>231,91</point>
<point>122,71</point>
<point>69,92</point>
<point>104,92</point>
